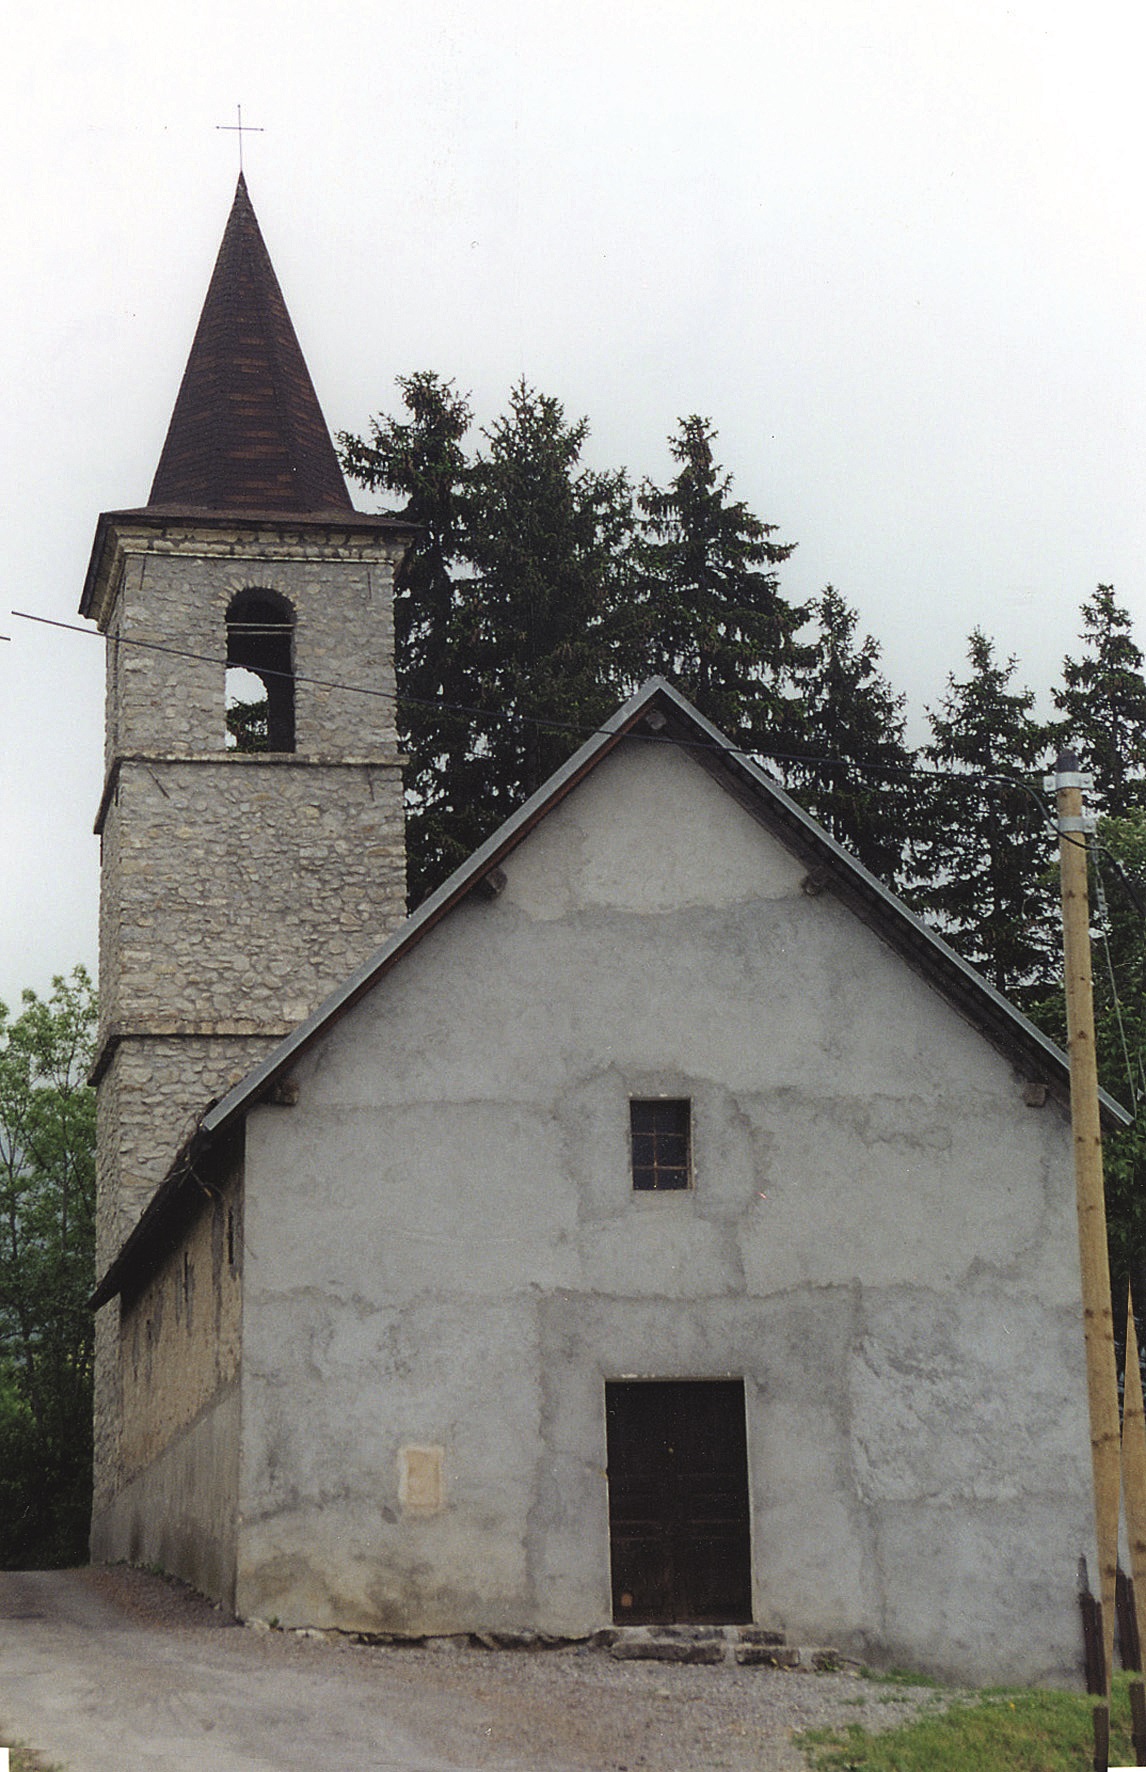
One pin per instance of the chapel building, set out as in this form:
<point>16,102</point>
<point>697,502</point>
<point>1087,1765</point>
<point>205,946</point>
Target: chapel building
<point>661,1226</point>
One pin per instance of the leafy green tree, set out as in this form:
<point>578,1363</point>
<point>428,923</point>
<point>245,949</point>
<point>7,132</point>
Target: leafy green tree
<point>982,862</point>
<point>858,779</point>
<point>1103,704</point>
<point>47,1208</point>
<point>421,459</point>
<point>718,626</point>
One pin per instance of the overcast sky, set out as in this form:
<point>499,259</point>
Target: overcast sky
<point>895,249</point>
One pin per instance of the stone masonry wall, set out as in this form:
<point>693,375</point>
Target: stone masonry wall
<point>237,890</point>
<point>180,1338</point>
<point>150,1097</point>
<point>243,890</point>
<point>167,593</point>
<point>173,1353</point>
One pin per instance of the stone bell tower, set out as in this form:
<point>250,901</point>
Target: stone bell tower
<point>241,879</point>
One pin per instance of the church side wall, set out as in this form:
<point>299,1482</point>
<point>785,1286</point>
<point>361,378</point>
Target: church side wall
<point>150,1097</point>
<point>174,1497</point>
<point>178,1513</point>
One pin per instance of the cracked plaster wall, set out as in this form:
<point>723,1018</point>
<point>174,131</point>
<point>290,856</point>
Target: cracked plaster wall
<point>880,1241</point>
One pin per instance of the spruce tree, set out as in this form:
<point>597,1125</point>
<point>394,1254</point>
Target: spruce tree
<point>527,606</point>
<point>718,626</point>
<point>984,854</point>
<point>422,459</point>
<point>516,627</point>
<point>1103,704</point>
<point>858,779</point>
<point>545,626</point>
<point>1118,921</point>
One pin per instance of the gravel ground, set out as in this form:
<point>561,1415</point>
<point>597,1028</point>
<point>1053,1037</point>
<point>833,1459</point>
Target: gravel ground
<point>572,1709</point>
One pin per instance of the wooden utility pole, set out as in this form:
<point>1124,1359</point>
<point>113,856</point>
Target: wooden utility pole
<point>1101,1372</point>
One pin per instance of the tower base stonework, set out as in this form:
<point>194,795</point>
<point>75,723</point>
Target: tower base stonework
<point>239,891</point>
<point>151,1095</point>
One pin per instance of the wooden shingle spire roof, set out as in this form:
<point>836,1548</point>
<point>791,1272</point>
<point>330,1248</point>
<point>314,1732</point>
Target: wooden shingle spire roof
<point>247,433</point>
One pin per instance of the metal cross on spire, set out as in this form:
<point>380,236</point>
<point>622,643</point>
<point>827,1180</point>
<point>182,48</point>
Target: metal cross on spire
<point>251,129</point>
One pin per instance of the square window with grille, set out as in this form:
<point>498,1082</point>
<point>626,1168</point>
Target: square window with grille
<point>661,1136</point>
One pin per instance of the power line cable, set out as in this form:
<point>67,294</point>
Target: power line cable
<point>967,779</point>
<point>964,778</point>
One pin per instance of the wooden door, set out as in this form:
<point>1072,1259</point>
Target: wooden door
<point>678,1501</point>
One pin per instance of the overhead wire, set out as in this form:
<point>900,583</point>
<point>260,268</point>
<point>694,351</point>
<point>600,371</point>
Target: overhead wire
<point>966,778</point>
<point>911,772</point>
<point>907,771</point>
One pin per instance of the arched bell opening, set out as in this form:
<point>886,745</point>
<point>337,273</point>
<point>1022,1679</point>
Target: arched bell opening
<point>260,672</point>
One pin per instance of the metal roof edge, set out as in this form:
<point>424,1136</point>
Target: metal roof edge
<point>221,517</point>
<point>894,905</point>
<point>432,909</point>
<point>506,837</point>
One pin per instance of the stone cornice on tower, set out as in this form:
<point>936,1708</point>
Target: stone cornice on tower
<point>247,432</point>
<point>260,535</point>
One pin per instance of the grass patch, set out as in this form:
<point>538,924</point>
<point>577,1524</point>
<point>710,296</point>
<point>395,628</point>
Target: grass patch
<point>898,1676</point>
<point>1011,1730</point>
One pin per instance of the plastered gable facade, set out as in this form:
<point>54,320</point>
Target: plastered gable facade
<point>447,1261</point>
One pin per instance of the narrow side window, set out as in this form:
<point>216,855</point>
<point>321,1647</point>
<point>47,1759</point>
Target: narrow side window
<point>660,1133</point>
<point>260,672</point>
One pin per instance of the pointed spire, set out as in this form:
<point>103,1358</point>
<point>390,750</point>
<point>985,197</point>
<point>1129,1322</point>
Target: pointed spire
<point>247,432</point>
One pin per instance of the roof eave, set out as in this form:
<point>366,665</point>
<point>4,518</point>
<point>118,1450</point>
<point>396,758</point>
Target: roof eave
<point>997,1018</point>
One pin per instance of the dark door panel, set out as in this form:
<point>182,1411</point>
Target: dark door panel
<point>678,1501</point>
